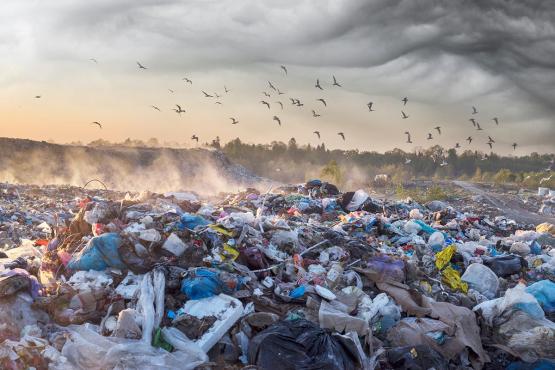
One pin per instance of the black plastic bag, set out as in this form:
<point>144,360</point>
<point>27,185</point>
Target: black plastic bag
<point>301,345</point>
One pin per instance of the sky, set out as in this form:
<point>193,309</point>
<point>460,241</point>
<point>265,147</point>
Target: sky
<point>444,56</point>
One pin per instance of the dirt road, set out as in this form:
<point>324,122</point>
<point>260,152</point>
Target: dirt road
<point>509,207</point>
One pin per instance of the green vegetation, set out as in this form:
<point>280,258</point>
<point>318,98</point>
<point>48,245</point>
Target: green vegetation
<point>434,192</point>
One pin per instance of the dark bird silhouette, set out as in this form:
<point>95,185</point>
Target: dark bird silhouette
<point>276,118</point>
<point>96,123</point>
<point>317,133</point>
<point>141,66</point>
<point>187,80</point>
<point>408,137</point>
<point>369,105</point>
<point>284,69</point>
<point>342,135</point>
<point>335,83</point>
<point>430,136</point>
<point>514,146</point>
<point>280,103</point>
<point>474,110</point>
<point>266,94</point>
<point>206,95</point>
<point>404,115</point>
<point>226,90</point>
<point>314,114</point>
<point>491,140</point>
<point>265,103</point>
<point>218,102</point>
<point>233,121</point>
<point>94,60</point>
<point>478,127</point>
<point>405,100</point>
<point>155,107</point>
<point>298,103</point>
<point>457,146</point>
<point>438,128</point>
<point>280,92</point>
<point>490,144</point>
<point>194,137</point>
<point>496,120</point>
<point>318,84</point>
<point>217,96</point>
<point>469,139</point>
<point>179,110</point>
<point>473,121</point>
<point>170,90</point>
<point>272,86</point>
<point>38,96</point>
<point>323,102</point>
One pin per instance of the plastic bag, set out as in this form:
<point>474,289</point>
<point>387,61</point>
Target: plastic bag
<point>544,292</point>
<point>443,257</point>
<point>204,283</point>
<point>451,277</point>
<point>87,350</point>
<point>100,253</point>
<point>482,279</point>
<point>505,265</point>
<point>301,344</point>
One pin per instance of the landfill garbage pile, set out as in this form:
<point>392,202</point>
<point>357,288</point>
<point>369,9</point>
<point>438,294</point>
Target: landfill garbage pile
<point>299,277</point>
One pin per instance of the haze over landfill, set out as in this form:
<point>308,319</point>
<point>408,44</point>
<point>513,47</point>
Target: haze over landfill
<point>81,59</point>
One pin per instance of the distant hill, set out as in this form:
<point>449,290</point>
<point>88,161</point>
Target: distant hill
<point>124,168</point>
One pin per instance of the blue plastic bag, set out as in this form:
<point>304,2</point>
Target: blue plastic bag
<point>190,221</point>
<point>544,292</point>
<point>206,283</point>
<point>100,253</point>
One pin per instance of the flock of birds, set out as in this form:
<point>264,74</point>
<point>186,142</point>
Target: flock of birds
<point>298,103</point>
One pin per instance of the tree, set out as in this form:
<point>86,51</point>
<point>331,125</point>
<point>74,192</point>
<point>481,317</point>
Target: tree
<point>332,172</point>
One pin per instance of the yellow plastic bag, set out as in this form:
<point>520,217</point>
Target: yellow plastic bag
<point>546,227</point>
<point>221,230</point>
<point>452,278</point>
<point>230,253</point>
<point>443,257</point>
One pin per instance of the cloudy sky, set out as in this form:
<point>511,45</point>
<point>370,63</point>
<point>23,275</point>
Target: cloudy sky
<point>445,56</point>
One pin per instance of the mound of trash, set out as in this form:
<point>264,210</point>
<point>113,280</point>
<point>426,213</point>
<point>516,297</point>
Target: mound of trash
<point>300,277</point>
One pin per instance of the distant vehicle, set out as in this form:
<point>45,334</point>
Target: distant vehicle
<point>382,179</point>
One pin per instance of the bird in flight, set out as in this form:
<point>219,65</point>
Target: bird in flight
<point>233,121</point>
<point>473,121</point>
<point>93,60</point>
<point>323,102</point>
<point>281,104</point>
<point>284,69</point>
<point>170,90</point>
<point>218,102</point>
<point>491,140</point>
<point>474,110</point>
<point>408,137</point>
<point>179,110</point>
<point>226,90</point>
<point>280,92</point>
<point>342,135</point>
<point>266,94</point>
<point>430,136</point>
<point>206,95</point>
<point>369,105</point>
<point>276,118</point>
<point>194,137</point>
<point>318,84</point>
<point>490,144</point>
<point>272,86</point>
<point>187,80</point>
<point>404,115</point>
<point>155,107</point>
<point>457,146</point>
<point>496,120</point>
<point>317,133</point>
<point>38,96</point>
<point>141,66</point>
<point>335,83</point>
<point>314,114</point>
<point>478,127</point>
<point>443,163</point>
<point>438,128</point>
<point>265,103</point>
<point>408,160</point>
<point>514,146</point>
<point>96,123</point>
<point>405,100</point>
<point>469,139</point>
<point>217,96</point>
